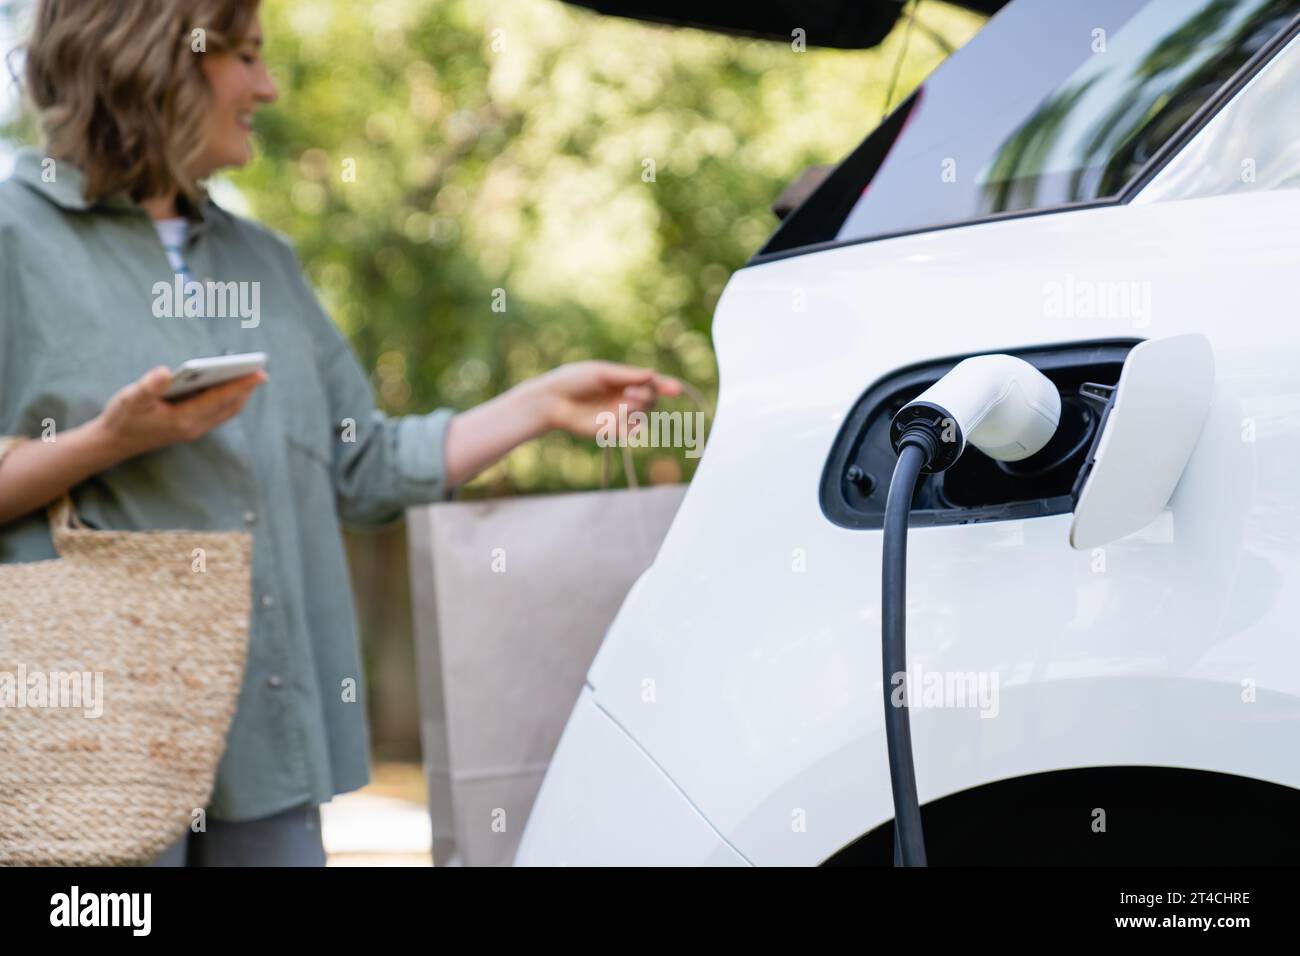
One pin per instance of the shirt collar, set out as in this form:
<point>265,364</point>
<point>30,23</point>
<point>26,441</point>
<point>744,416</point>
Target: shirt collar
<point>62,184</point>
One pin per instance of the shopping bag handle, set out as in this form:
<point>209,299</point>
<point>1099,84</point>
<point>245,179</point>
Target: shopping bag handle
<point>62,516</point>
<point>629,472</point>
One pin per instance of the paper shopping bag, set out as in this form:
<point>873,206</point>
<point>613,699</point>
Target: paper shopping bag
<point>512,598</point>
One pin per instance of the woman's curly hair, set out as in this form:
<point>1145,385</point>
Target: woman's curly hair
<point>118,88</point>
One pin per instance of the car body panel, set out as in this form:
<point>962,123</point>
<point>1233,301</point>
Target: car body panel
<point>603,786</point>
<point>746,660</point>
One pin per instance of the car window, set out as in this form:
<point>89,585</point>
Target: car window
<point>1051,103</point>
<point>1252,144</point>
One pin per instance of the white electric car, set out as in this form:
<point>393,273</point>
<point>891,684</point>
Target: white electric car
<point>1078,179</point>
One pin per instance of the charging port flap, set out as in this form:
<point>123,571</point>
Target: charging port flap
<point>1150,427</point>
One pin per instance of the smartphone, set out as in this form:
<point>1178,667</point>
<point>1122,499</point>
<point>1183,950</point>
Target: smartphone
<point>198,374</point>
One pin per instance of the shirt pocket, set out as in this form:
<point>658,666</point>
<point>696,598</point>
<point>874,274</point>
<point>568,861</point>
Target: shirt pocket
<point>304,403</point>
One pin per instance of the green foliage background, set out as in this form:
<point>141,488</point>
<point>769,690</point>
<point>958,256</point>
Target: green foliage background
<point>501,153</point>
<point>502,145</point>
<point>506,145</point>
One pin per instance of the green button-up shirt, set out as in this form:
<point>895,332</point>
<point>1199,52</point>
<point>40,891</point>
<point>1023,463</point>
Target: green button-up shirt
<point>83,313</point>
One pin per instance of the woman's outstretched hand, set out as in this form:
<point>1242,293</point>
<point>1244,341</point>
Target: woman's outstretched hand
<point>574,396</point>
<point>571,397</point>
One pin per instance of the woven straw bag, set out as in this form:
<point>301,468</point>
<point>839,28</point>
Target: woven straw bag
<point>163,617</point>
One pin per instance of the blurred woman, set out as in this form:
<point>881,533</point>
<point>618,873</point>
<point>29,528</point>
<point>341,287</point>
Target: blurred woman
<point>139,101</point>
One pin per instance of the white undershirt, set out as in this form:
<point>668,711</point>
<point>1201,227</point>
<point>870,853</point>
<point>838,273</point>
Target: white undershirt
<point>171,232</point>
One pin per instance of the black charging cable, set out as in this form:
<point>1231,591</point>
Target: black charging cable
<point>916,449</point>
<point>992,400</point>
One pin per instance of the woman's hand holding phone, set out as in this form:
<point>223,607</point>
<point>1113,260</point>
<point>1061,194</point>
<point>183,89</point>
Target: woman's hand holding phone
<point>139,419</point>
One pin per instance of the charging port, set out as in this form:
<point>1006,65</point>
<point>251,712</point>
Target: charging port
<point>976,488</point>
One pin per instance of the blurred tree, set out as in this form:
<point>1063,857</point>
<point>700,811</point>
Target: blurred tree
<point>597,179</point>
<point>483,191</point>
